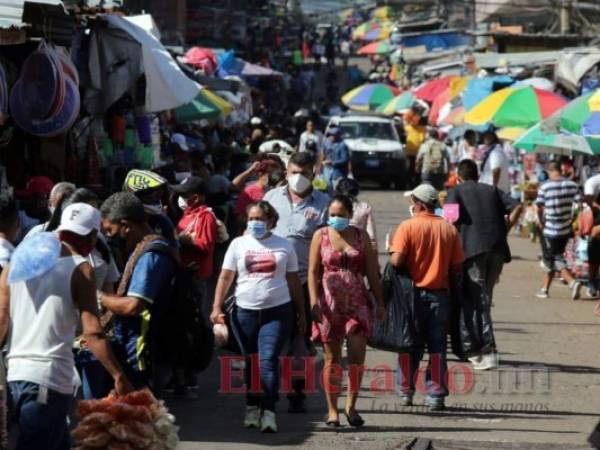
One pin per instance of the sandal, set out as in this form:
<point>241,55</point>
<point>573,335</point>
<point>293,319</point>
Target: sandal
<point>355,420</point>
<point>332,423</point>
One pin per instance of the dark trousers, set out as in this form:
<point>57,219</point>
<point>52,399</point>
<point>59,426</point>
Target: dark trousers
<point>437,180</point>
<point>299,384</point>
<point>432,313</point>
<point>481,274</point>
<point>264,332</point>
<point>41,414</point>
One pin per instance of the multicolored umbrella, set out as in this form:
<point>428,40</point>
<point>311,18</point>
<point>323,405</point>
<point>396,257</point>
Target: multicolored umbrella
<point>369,96</point>
<point>457,85</point>
<point>510,133</point>
<point>361,30</point>
<point>376,48</point>
<point>545,137</point>
<point>398,104</point>
<point>515,107</point>
<point>206,105</point>
<point>456,117</point>
<point>430,90</point>
<point>378,34</point>
<point>582,115</point>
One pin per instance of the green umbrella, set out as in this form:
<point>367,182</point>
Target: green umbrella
<point>204,106</point>
<point>546,137</point>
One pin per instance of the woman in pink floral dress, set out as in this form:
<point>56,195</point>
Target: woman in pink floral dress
<point>340,257</point>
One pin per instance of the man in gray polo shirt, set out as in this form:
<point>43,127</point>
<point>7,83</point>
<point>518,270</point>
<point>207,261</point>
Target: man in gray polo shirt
<point>302,211</point>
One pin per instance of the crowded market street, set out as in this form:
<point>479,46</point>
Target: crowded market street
<point>544,395</point>
<point>335,224</point>
<point>547,341</point>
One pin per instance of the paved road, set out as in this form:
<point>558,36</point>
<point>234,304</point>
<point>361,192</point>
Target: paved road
<point>546,394</point>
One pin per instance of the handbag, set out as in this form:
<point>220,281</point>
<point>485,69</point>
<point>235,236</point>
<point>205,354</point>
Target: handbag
<point>229,308</point>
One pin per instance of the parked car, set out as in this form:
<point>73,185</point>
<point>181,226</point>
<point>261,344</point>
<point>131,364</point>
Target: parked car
<point>376,152</point>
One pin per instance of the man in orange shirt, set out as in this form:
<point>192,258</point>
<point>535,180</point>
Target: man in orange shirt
<point>431,250</point>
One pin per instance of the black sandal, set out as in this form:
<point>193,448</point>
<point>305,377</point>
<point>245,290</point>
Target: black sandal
<point>356,420</point>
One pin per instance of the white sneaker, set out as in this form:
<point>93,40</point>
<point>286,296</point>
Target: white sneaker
<point>252,417</point>
<point>487,362</point>
<point>475,359</point>
<point>267,422</point>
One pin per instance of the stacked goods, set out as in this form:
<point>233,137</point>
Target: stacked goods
<point>130,422</point>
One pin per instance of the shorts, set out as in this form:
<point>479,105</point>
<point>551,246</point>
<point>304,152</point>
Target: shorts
<point>594,251</point>
<point>553,253</point>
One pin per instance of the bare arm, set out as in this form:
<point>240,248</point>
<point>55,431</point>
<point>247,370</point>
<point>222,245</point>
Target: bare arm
<point>496,176</point>
<point>239,181</point>
<point>314,268</point>
<point>397,259</point>
<point>372,269</point>
<point>540,213</point>
<point>223,285</point>
<point>121,306</point>
<point>83,287</point>
<point>4,305</point>
<point>514,216</point>
<point>295,288</point>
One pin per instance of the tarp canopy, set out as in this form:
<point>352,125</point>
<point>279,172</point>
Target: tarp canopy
<point>230,65</point>
<point>435,40</point>
<point>167,87</point>
<point>572,66</point>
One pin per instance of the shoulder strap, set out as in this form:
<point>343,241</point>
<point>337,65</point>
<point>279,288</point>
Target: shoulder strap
<point>147,244</point>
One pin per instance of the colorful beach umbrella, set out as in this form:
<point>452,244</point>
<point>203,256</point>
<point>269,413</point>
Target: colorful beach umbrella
<point>206,105</point>
<point>510,133</point>
<point>456,117</point>
<point>378,34</point>
<point>398,104</point>
<point>369,96</point>
<point>376,48</point>
<point>545,137</point>
<point>582,115</point>
<point>431,89</point>
<point>361,30</point>
<point>457,85</point>
<point>515,107</point>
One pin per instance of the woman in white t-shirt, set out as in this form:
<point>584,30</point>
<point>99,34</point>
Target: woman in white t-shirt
<point>267,281</point>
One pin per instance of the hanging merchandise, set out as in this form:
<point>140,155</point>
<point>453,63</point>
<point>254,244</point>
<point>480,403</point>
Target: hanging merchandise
<point>144,132</point>
<point>45,99</point>
<point>117,129</point>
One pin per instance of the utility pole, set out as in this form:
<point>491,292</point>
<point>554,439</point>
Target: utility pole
<point>565,17</point>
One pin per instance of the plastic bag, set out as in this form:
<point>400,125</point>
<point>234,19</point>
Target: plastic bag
<point>397,332</point>
<point>471,325</point>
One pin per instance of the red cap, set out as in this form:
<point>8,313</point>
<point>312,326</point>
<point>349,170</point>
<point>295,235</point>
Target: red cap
<point>37,185</point>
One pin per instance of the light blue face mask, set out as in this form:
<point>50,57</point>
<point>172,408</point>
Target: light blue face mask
<point>338,223</point>
<point>257,228</point>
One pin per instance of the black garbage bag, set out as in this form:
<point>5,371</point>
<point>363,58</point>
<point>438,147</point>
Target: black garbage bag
<point>398,330</point>
<point>471,330</point>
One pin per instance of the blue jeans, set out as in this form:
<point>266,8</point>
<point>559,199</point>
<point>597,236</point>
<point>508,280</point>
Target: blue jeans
<point>41,414</point>
<point>432,314</point>
<point>263,332</point>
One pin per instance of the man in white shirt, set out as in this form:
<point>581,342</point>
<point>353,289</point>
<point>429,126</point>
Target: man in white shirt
<point>494,164</point>
<point>311,135</point>
<point>591,188</point>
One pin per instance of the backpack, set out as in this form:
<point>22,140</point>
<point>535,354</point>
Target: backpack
<point>434,161</point>
<point>180,336</point>
<point>177,336</point>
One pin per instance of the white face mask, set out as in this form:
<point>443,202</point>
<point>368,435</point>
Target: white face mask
<point>182,203</point>
<point>299,183</point>
<point>180,176</point>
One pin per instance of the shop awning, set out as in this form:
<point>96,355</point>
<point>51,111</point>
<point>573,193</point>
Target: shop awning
<point>167,87</point>
<point>206,105</point>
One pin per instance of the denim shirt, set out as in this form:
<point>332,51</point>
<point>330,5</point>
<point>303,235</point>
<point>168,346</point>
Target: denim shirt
<point>338,154</point>
<point>298,223</point>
